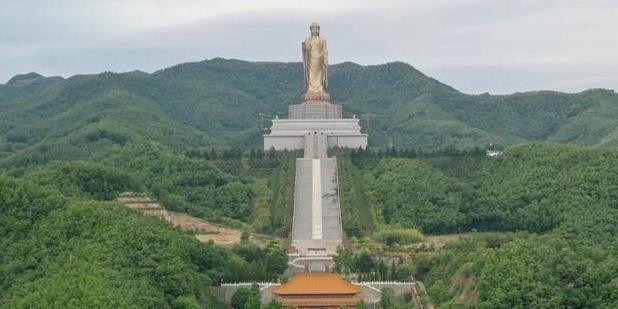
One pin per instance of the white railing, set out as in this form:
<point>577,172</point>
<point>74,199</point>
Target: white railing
<point>296,166</point>
<point>278,282</point>
<point>339,198</point>
<point>384,282</point>
<point>249,283</point>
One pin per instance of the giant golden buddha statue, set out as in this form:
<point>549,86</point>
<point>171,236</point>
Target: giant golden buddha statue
<point>315,64</point>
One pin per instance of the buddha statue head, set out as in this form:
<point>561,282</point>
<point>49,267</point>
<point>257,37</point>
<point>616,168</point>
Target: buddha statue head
<point>315,29</point>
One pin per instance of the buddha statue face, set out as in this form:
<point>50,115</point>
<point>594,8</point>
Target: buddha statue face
<point>315,29</point>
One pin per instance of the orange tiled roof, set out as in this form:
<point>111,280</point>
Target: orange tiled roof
<point>321,302</point>
<point>316,284</point>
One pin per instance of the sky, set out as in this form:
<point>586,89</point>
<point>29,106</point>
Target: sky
<point>476,46</point>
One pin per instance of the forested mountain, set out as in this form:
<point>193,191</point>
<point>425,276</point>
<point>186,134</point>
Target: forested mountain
<point>217,102</point>
<point>186,136</point>
<point>551,211</point>
<point>533,187</point>
<point>68,250</point>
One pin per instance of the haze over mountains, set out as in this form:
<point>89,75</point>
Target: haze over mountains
<point>217,102</point>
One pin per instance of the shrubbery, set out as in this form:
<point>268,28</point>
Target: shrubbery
<point>402,236</point>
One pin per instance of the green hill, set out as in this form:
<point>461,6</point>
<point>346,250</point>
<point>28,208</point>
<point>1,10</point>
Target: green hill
<point>531,187</point>
<point>548,211</point>
<point>216,103</point>
<point>66,250</point>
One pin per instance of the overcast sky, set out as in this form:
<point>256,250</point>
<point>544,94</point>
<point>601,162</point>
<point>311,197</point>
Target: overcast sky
<point>496,46</point>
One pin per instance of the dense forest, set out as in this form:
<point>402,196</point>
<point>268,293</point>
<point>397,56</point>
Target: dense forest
<point>63,231</point>
<point>551,212</point>
<point>62,250</point>
<point>532,187</point>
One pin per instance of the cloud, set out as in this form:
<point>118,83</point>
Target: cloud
<point>496,46</point>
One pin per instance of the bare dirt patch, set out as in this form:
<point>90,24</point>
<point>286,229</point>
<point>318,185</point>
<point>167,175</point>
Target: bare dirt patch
<point>204,230</point>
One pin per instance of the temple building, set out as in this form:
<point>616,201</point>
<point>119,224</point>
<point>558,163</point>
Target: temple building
<point>318,290</point>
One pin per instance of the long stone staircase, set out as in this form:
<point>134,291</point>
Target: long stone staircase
<point>316,228</point>
<point>301,225</point>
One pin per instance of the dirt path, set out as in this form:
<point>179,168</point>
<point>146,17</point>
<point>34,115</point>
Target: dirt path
<point>203,229</point>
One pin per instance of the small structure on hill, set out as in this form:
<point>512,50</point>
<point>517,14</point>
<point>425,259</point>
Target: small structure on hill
<point>321,290</point>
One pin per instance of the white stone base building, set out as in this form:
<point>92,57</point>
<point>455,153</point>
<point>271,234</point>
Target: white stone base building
<point>322,119</point>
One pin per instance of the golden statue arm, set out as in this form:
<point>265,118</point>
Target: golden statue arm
<point>305,72</point>
<point>325,81</point>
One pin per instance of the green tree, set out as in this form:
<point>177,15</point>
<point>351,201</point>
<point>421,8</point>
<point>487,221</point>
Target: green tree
<point>387,298</point>
<point>246,298</point>
<point>185,302</point>
<point>274,304</point>
<point>365,262</point>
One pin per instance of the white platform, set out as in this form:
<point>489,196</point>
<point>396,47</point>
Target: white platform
<point>290,133</point>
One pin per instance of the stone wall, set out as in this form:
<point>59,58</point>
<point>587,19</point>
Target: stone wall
<point>226,290</point>
<point>289,142</point>
<point>347,141</point>
<point>371,291</point>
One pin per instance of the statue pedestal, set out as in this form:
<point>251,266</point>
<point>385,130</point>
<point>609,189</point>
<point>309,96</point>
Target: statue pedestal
<point>318,110</point>
<point>321,97</point>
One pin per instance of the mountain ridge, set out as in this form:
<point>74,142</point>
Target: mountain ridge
<point>217,102</point>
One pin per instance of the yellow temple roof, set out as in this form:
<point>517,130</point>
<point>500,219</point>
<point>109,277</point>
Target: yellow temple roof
<point>317,284</point>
